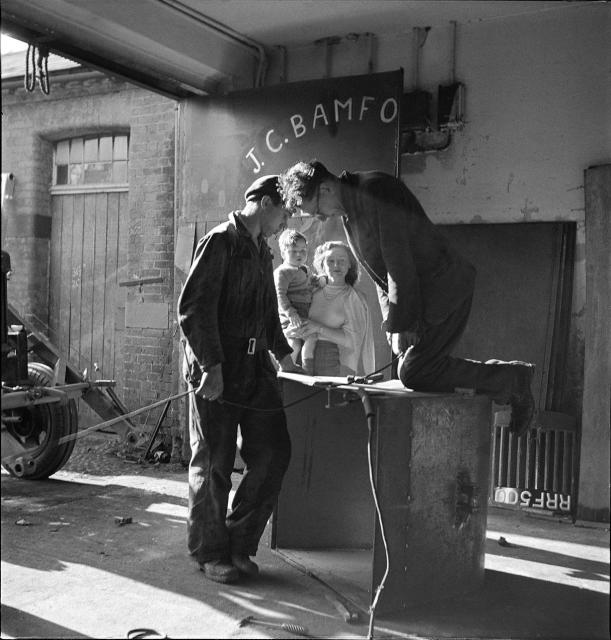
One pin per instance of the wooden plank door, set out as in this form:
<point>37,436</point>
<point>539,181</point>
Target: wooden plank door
<point>88,258</point>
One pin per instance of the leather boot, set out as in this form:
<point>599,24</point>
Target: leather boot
<point>219,571</point>
<point>245,565</point>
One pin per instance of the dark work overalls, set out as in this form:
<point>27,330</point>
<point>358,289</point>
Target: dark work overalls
<point>423,285</point>
<point>228,313</point>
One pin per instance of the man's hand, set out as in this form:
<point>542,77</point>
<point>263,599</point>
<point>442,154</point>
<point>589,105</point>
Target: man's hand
<point>401,342</point>
<point>211,385</point>
<point>287,364</point>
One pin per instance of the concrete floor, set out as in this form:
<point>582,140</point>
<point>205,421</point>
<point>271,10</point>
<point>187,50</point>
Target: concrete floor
<point>69,571</point>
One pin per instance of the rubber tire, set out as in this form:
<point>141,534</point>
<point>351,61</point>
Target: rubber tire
<point>60,419</point>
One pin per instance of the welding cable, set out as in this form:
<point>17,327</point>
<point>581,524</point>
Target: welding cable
<point>370,415</point>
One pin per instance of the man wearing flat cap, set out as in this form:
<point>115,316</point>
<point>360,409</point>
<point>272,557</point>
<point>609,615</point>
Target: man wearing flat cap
<point>228,314</point>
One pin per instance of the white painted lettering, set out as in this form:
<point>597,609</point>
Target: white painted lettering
<point>251,155</point>
<point>565,505</point>
<point>319,112</point>
<point>551,501</point>
<point>511,496</point>
<point>299,128</point>
<point>364,106</point>
<point>269,144</point>
<point>392,114</point>
<point>540,501</point>
<point>343,105</point>
<point>525,497</point>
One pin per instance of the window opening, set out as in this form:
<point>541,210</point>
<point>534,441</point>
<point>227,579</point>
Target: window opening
<point>83,162</point>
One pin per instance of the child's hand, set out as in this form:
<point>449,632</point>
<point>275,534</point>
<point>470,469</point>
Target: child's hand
<point>294,318</point>
<point>319,281</point>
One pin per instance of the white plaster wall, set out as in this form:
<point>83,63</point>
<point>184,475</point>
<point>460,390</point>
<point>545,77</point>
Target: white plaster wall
<point>537,110</point>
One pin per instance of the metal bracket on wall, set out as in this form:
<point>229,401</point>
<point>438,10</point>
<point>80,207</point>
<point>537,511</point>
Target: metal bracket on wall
<point>140,282</point>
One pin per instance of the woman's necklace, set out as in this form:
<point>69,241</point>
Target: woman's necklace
<point>332,291</point>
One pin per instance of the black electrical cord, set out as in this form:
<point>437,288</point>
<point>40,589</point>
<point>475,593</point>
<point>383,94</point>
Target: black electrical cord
<point>370,415</point>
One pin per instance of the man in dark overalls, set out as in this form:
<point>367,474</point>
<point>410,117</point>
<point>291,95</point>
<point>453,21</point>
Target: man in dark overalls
<point>228,313</point>
<point>425,288</point>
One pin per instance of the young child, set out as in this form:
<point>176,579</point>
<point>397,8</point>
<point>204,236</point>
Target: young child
<point>294,287</point>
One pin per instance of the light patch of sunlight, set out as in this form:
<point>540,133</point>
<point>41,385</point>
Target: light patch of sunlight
<point>289,605</point>
<point>573,549</point>
<point>247,604</point>
<point>298,607</point>
<point>129,600</point>
<point>10,45</point>
<point>167,486</point>
<point>168,509</point>
<point>547,572</point>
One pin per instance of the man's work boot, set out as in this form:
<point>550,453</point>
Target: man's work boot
<point>219,571</point>
<point>522,400</point>
<point>245,565</point>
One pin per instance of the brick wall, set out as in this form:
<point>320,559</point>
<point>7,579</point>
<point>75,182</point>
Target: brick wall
<point>83,104</point>
<point>149,343</point>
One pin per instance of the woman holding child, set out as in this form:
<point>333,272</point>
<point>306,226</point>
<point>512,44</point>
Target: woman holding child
<point>338,317</point>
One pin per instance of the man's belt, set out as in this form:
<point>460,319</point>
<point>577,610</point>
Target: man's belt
<point>249,345</point>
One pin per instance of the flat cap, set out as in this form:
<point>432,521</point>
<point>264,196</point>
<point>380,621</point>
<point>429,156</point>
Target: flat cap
<point>263,186</point>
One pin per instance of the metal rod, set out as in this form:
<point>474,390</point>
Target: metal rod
<point>566,462</point>
<point>528,464</point>
<point>453,22</point>
<point>501,456</point>
<point>96,427</point>
<point>26,398</point>
<point>495,461</point>
<point>556,479</point>
<point>416,72</point>
<point>537,459</point>
<point>156,430</point>
<point>519,460</point>
<point>546,482</point>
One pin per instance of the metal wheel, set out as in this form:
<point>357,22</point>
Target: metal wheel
<point>40,427</point>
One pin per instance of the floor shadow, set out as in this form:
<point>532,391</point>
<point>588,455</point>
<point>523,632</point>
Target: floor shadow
<point>15,623</point>
<point>510,606</point>
<point>70,527</point>
<point>72,523</point>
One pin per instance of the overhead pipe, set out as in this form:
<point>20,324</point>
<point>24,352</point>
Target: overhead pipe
<point>226,31</point>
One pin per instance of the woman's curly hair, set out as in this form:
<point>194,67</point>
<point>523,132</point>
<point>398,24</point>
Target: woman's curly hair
<point>323,249</point>
<point>299,182</point>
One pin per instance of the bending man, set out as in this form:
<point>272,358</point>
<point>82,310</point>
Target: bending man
<point>425,287</point>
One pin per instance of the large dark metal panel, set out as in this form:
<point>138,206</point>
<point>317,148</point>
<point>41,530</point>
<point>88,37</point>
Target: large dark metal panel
<point>516,291</point>
<point>325,500</point>
<point>225,143</point>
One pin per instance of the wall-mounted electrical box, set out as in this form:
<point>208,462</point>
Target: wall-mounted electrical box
<point>415,111</point>
<point>450,106</point>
